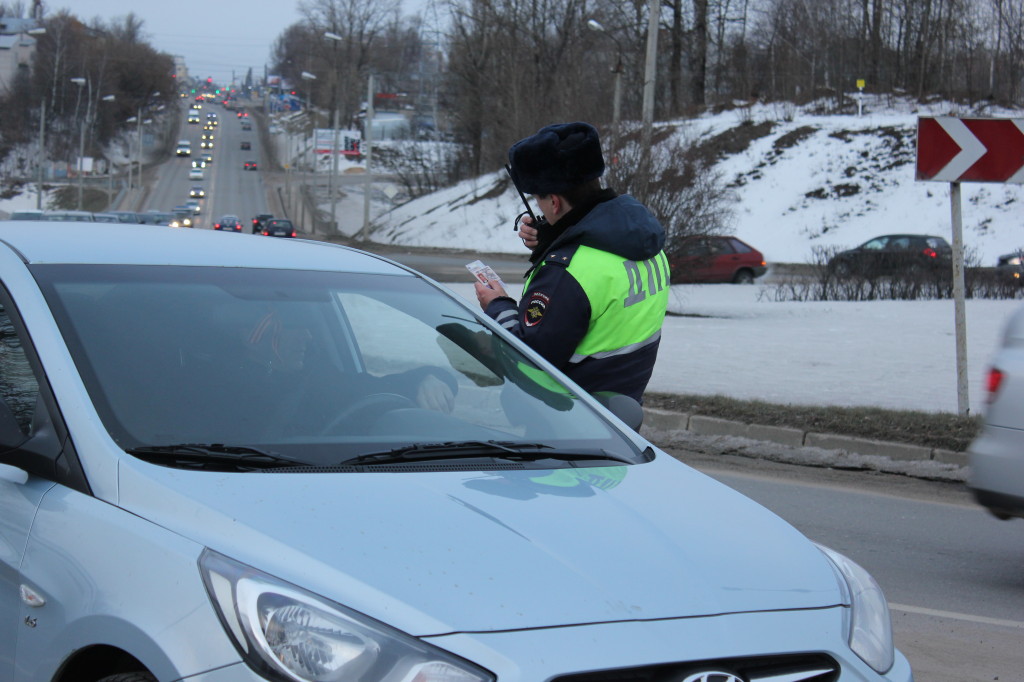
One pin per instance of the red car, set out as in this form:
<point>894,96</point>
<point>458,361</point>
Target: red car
<point>706,259</point>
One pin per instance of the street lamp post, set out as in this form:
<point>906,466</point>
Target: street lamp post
<point>41,30</point>
<point>138,138</point>
<point>595,25</point>
<point>650,71</point>
<point>81,140</point>
<point>309,78</point>
<point>42,154</point>
<point>365,230</point>
<point>81,83</point>
<point>334,143</point>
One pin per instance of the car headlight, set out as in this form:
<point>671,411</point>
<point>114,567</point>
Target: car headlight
<point>870,627</point>
<point>284,632</point>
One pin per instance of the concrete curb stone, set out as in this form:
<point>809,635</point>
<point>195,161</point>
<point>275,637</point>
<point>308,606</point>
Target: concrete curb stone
<point>667,421</point>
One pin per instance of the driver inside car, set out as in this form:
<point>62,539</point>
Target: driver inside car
<point>286,385</point>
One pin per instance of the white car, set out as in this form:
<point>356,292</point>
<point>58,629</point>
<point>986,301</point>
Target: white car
<point>996,455</point>
<point>195,174</point>
<point>242,459</point>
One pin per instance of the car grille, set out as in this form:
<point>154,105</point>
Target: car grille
<point>795,668</point>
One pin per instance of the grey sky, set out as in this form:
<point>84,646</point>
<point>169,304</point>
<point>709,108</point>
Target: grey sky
<point>218,38</point>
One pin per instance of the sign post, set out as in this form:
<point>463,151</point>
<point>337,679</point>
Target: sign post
<point>956,150</point>
<point>860,96</point>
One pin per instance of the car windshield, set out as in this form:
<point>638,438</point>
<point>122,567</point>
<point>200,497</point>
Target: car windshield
<point>313,367</point>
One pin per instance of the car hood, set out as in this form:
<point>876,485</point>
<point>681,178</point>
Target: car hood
<point>436,552</point>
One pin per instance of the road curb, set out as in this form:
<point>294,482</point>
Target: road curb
<point>659,421</point>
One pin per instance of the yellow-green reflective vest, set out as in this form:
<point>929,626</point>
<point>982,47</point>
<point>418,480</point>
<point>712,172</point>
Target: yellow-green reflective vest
<point>627,299</point>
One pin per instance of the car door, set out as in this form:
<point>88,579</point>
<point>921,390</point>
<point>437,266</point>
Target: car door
<point>20,492</point>
<point>869,257</point>
<point>724,260</point>
<point>897,256</point>
<point>693,261</point>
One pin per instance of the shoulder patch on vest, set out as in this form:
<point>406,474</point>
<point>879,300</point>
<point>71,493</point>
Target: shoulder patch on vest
<point>535,309</point>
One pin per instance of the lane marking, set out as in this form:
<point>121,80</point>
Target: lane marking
<point>958,616</point>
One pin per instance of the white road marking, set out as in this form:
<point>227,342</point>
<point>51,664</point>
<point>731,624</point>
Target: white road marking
<point>957,616</point>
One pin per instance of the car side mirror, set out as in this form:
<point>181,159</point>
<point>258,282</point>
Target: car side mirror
<point>622,406</point>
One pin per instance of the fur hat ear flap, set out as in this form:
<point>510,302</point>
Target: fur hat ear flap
<point>556,158</point>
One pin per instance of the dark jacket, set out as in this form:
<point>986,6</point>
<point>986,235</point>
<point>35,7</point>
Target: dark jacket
<point>554,313</point>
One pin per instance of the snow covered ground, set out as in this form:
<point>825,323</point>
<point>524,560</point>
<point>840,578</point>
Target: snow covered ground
<point>722,340</point>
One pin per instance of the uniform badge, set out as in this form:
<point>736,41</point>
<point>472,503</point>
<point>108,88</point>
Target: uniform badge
<point>535,309</point>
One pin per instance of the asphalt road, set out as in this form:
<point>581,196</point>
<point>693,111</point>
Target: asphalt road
<point>951,572</point>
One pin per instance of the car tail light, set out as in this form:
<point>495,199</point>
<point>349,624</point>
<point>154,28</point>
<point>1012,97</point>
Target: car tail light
<point>993,382</point>
<point>293,233</point>
<point>931,253</point>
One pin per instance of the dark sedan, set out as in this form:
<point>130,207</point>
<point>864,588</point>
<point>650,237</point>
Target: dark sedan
<point>259,220</point>
<point>894,254</point>
<point>228,223</point>
<point>278,227</point>
<point>709,259</point>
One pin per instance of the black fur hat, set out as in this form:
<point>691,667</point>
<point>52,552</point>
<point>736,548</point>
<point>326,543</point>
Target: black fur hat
<point>556,158</point>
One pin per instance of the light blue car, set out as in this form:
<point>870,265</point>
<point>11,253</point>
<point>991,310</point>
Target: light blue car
<point>233,458</point>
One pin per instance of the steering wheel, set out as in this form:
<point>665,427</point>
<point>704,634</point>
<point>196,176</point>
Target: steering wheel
<point>358,416</point>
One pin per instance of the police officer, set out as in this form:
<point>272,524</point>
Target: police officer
<point>597,290</point>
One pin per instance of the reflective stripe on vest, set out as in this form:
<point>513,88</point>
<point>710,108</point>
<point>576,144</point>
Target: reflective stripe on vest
<point>627,298</point>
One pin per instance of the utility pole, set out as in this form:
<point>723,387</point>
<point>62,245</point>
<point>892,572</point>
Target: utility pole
<point>369,151</point>
<point>42,154</point>
<point>650,72</point>
<point>334,171</point>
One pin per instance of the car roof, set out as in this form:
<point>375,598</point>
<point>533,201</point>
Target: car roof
<point>901,235</point>
<point>114,243</point>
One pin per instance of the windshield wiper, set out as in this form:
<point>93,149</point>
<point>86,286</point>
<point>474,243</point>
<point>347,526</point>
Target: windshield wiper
<point>212,456</point>
<point>510,450</point>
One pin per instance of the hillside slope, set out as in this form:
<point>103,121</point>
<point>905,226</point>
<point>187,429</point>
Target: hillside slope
<point>800,181</point>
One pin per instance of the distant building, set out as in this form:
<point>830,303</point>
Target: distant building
<point>180,69</point>
<point>17,47</point>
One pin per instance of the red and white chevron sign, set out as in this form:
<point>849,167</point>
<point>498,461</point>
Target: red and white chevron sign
<point>951,149</point>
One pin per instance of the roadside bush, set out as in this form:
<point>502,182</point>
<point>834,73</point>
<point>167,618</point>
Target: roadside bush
<point>823,284</point>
